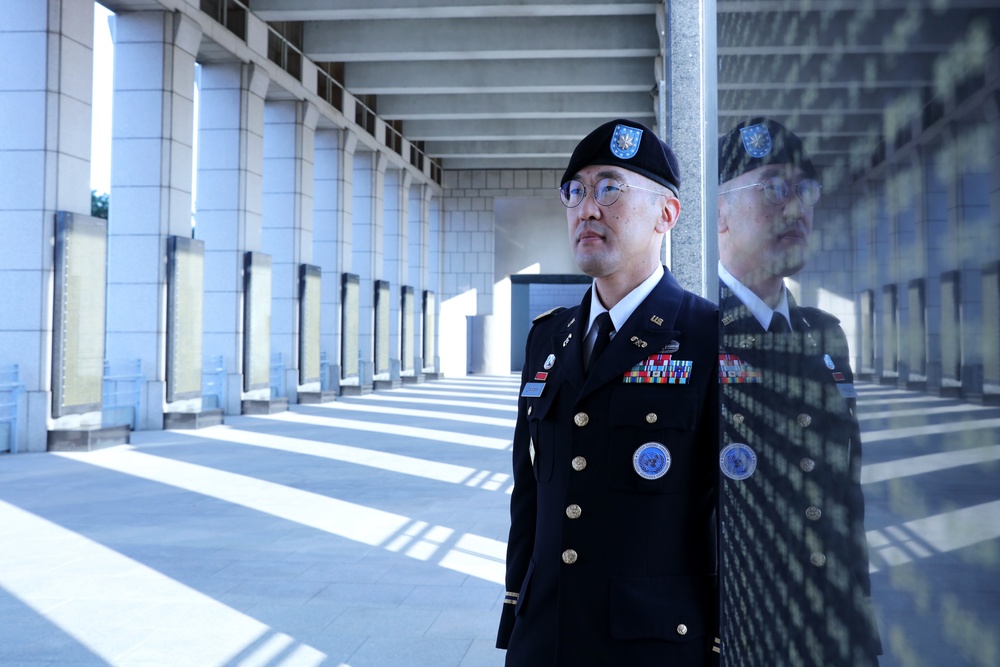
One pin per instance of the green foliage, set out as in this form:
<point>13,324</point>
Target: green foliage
<point>99,204</point>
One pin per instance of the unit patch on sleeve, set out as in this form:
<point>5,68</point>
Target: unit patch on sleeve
<point>659,369</point>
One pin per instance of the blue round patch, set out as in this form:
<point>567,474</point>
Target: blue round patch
<point>651,460</point>
<point>756,140</point>
<point>625,141</point>
<point>828,360</point>
<point>737,461</point>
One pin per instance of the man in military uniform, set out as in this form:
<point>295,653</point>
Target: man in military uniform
<point>794,562</point>
<point>611,556</point>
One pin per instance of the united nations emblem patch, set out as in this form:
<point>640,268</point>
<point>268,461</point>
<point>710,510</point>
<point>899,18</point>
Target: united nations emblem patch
<point>651,460</point>
<point>737,461</point>
<point>625,142</point>
<point>757,140</point>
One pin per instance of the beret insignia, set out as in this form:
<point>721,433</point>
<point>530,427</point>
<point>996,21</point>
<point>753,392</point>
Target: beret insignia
<point>756,140</point>
<point>625,141</point>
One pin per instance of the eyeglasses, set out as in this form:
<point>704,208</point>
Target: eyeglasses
<point>606,192</point>
<point>777,190</point>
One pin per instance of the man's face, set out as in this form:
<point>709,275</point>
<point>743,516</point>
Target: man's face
<point>759,239</point>
<point>624,236</point>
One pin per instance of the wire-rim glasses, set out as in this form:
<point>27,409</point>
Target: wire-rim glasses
<point>606,192</point>
<point>777,190</point>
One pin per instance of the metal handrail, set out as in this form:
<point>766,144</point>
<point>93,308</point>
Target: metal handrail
<point>277,375</point>
<point>213,382</point>
<point>115,398</point>
<point>14,388</point>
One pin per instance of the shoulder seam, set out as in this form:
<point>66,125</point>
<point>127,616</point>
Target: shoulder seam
<point>548,313</point>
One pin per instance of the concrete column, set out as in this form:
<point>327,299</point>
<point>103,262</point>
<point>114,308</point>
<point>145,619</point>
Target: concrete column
<point>932,224</point>
<point>991,229</point>
<point>864,264</point>
<point>899,204</point>
<point>230,173</point>
<point>367,248</point>
<point>974,244</point>
<point>885,353</point>
<point>287,225</point>
<point>688,103</point>
<point>417,260</point>
<point>331,235</point>
<point>46,77</point>
<point>394,266</point>
<point>151,178</point>
<point>432,363</point>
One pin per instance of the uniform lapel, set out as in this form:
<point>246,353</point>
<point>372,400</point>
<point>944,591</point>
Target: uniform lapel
<point>649,329</point>
<point>567,344</point>
<point>740,331</point>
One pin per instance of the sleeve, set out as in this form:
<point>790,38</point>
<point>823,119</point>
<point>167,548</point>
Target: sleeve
<point>520,542</point>
<point>856,517</point>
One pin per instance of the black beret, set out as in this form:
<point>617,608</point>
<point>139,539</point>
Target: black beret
<point>758,142</point>
<point>626,143</point>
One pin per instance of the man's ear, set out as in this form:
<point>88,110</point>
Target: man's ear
<point>723,217</point>
<point>669,212</point>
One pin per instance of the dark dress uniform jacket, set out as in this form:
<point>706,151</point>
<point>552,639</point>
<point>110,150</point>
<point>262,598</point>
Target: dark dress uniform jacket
<point>607,567</point>
<point>794,562</point>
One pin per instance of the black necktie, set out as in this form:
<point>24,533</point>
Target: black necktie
<point>604,328</point>
<point>778,324</point>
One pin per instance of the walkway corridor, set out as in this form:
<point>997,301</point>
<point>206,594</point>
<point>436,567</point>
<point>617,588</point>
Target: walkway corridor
<point>370,532</point>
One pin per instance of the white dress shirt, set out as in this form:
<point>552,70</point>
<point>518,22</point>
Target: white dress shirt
<point>761,311</point>
<point>622,310</point>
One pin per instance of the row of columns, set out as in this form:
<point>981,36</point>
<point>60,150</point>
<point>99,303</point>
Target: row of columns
<point>921,261</point>
<point>274,176</point>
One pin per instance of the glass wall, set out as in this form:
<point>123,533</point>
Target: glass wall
<point>860,447</point>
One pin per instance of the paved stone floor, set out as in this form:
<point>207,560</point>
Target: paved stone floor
<point>370,532</point>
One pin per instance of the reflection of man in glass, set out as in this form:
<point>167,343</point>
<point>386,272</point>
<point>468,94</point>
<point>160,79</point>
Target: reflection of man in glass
<point>795,587</point>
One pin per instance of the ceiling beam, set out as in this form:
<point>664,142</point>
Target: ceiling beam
<point>615,75</point>
<point>525,105</point>
<point>508,148</point>
<point>344,10</point>
<point>480,39</point>
<point>498,129</point>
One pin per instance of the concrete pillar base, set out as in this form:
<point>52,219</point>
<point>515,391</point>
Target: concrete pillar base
<point>416,378</point>
<point>355,389</point>
<point>267,406</point>
<point>388,384</point>
<point>88,438</point>
<point>180,421</point>
<point>313,397</point>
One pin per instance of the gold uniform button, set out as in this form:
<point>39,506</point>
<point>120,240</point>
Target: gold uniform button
<point>807,465</point>
<point>569,556</point>
<point>682,629</point>
<point>738,418</point>
<point>813,513</point>
<point>530,409</point>
<point>804,420</point>
<point>581,419</point>
<point>651,418</point>
<point>818,559</point>
<point>578,463</point>
<point>574,511</point>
